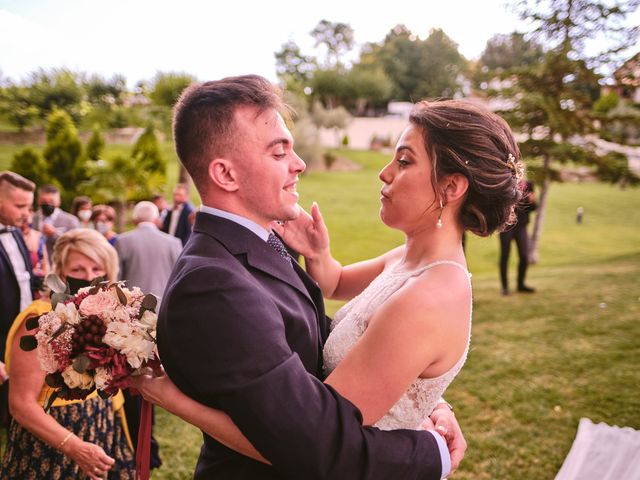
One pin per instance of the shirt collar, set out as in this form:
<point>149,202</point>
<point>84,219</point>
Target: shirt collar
<point>245,222</point>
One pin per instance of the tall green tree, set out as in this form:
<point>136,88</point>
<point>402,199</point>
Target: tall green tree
<point>95,145</point>
<point>66,162</point>
<point>337,38</point>
<point>555,97</point>
<point>146,153</point>
<point>508,51</point>
<point>30,164</point>
<point>417,68</point>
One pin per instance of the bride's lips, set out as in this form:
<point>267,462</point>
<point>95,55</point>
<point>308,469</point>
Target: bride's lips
<point>384,196</point>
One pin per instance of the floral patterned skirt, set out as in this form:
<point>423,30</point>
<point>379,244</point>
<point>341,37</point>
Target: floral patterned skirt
<point>28,458</point>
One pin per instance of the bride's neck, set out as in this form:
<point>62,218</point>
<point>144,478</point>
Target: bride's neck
<point>432,245</point>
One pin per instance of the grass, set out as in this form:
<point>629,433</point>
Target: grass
<point>538,363</point>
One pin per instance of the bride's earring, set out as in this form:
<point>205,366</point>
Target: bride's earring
<point>439,222</point>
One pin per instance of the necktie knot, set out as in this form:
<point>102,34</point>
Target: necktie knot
<point>279,247</point>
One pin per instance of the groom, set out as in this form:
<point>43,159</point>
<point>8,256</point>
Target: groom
<point>241,327</point>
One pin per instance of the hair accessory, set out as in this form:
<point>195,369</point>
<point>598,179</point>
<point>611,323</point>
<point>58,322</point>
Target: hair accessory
<point>511,163</point>
<point>466,162</point>
<point>439,222</point>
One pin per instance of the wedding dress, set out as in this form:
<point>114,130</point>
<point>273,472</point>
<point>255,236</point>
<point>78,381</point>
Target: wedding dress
<point>351,321</point>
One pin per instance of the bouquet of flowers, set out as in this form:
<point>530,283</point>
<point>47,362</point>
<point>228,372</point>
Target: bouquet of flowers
<point>94,339</point>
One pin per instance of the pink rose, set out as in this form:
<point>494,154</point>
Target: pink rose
<point>98,303</point>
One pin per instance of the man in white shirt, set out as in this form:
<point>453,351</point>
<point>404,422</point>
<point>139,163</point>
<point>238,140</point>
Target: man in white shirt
<point>16,277</point>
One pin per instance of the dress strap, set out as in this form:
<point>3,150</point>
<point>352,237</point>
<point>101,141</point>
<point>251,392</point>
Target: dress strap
<point>443,262</point>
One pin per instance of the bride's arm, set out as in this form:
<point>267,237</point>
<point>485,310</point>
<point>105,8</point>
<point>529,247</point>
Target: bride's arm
<point>411,334</point>
<point>162,392</point>
<point>308,235</point>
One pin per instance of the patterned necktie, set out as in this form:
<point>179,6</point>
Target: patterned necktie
<point>279,247</point>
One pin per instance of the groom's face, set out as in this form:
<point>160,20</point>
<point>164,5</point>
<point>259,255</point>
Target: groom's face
<point>267,166</point>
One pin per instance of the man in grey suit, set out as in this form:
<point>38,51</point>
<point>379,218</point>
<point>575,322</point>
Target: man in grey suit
<point>50,219</point>
<point>146,254</point>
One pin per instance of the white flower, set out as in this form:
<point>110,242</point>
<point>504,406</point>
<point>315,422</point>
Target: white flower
<point>83,290</point>
<point>68,313</point>
<point>102,378</point>
<point>129,341</point>
<point>149,320</point>
<point>74,379</point>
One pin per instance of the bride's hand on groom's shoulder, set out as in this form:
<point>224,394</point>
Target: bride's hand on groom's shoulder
<point>446,424</point>
<point>307,234</point>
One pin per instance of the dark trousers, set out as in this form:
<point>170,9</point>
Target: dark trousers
<point>519,234</point>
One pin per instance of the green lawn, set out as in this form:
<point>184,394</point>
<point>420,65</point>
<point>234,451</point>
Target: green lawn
<point>538,363</point>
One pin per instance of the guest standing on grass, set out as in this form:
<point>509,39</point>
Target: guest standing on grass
<point>77,438</point>
<point>518,233</point>
<point>16,275</point>
<point>176,222</point>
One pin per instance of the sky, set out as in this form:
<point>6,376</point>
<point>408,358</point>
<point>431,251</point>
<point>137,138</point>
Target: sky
<point>213,39</point>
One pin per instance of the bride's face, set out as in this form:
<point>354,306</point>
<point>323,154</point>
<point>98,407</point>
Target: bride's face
<point>408,201</point>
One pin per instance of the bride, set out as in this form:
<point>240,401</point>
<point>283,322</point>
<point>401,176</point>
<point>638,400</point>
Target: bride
<point>404,335</point>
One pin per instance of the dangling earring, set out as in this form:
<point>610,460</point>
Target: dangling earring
<point>439,222</point>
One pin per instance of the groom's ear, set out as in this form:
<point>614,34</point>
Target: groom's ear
<point>223,175</point>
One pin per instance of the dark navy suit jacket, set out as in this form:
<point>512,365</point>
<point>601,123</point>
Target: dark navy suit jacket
<point>240,330</point>
<point>183,227</point>
<point>9,288</point>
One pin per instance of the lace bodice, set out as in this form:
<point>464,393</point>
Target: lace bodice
<point>349,324</point>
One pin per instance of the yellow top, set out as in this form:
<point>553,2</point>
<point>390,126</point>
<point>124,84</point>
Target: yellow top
<point>36,308</point>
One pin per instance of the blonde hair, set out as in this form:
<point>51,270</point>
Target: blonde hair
<point>89,243</point>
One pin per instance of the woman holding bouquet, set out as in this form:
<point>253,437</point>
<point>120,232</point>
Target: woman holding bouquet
<point>77,438</point>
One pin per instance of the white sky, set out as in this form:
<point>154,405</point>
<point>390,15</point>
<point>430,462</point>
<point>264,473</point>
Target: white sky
<point>212,39</point>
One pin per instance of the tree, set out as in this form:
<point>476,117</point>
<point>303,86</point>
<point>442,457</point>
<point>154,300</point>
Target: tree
<point>337,39</point>
<point>146,153</point>
<point>30,164</point>
<point>513,50</point>
<point>105,92</point>
<point>95,145</point>
<point>56,89</point>
<point>63,152</point>
<point>555,97</point>
<point>417,68</point>
<point>16,106</point>
<point>167,87</point>
<point>293,67</point>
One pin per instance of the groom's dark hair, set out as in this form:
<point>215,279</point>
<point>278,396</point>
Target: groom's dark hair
<point>203,118</point>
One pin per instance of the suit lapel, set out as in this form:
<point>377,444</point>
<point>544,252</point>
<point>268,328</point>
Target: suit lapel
<point>240,241</point>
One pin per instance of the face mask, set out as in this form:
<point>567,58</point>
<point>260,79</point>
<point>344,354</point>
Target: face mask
<point>76,284</point>
<point>84,215</point>
<point>102,227</point>
<point>47,209</point>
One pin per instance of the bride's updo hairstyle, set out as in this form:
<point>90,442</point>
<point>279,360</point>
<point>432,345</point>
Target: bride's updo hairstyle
<point>463,138</point>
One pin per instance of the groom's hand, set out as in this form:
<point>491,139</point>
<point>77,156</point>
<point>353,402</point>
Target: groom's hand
<point>447,425</point>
